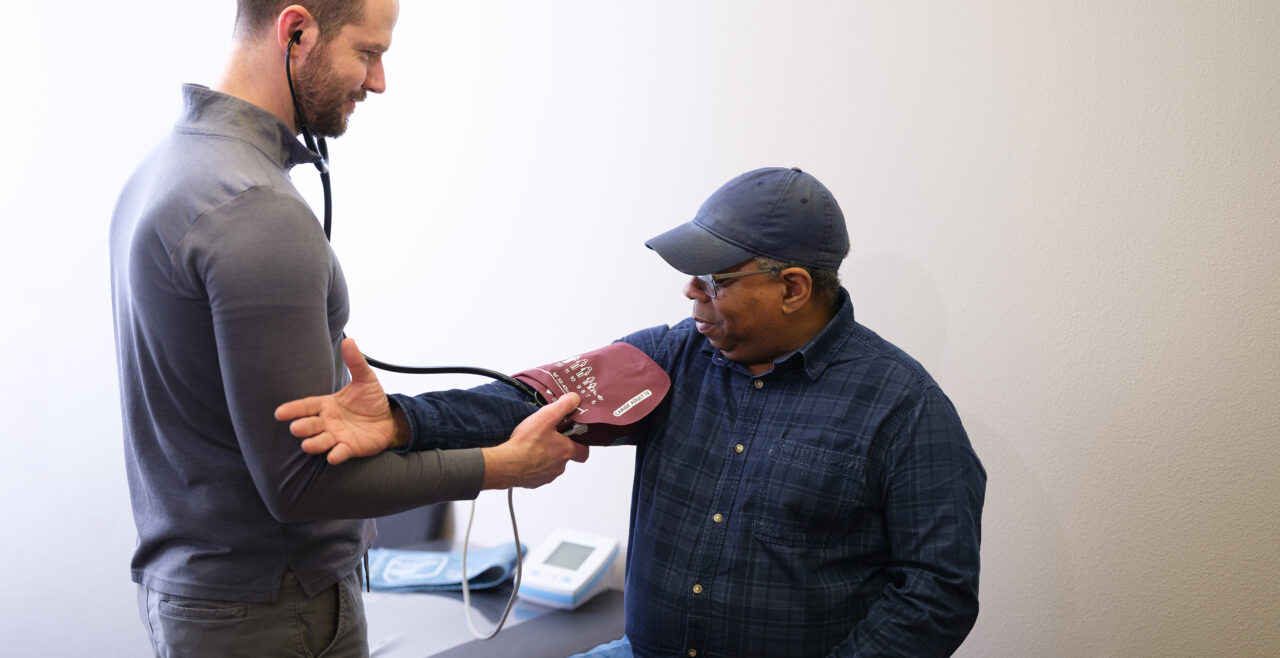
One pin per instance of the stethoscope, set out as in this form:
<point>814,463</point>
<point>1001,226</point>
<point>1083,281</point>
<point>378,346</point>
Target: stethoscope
<point>318,145</point>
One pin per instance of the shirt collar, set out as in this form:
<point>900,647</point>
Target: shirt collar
<point>213,112</point>
<point>817,354</point>
<point>823,349</point>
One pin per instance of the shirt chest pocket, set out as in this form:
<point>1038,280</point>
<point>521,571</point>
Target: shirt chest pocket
<point>808,495</point>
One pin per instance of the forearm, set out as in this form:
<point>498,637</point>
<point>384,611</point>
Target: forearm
<point>500,470</point>
<point>933,488</point>
<point>402,435</point>
<point>297,487</point>
<point>925,617</point>
<point>478,417</point>
<point>378,486</point>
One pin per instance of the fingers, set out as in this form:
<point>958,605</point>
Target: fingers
<point>307,426</point>
<point>298,409</point>
<point>551,415</point>
<point>339,455</point>
<point>545,420</point>
<point>318,444</point>
<point>361,373</point>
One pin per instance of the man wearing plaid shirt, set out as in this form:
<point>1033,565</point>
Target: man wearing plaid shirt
<point>806,489</point>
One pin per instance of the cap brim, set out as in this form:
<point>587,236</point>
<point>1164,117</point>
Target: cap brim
<point>693,250</point>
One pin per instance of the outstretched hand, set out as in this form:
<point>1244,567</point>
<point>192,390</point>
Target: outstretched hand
<point>354,422</point>
<point>357,421</point>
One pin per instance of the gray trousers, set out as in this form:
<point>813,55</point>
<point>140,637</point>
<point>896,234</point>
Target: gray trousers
<point>331,625</point>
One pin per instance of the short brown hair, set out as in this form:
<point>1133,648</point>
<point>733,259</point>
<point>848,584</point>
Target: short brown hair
<point>253,16</point>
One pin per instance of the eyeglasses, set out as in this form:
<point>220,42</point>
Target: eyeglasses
<point>710,282</point>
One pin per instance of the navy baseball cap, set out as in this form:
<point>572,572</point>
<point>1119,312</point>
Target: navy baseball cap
<point>779,213</point>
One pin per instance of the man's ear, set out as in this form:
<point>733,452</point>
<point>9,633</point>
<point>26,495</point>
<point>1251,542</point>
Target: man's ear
<point>799,289</point>
<point>295,22</point>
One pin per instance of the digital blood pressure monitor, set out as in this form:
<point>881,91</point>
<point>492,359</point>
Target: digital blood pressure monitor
<point>567,569</point>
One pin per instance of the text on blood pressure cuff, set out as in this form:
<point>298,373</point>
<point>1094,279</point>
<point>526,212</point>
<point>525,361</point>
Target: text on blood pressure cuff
<point>618,385</point>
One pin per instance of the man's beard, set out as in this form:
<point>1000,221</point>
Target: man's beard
<point>321,97</point>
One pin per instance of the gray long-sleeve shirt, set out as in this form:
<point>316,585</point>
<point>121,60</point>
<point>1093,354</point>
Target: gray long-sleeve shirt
<point>229,301</point>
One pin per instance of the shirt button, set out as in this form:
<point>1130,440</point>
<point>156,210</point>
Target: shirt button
<point>719,518</point>
<point>697,589</point>
<point>759,384</point>
<point>692,653</point>
<point>739,448</point>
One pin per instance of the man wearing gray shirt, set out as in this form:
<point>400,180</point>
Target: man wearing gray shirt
<point>228,301</point>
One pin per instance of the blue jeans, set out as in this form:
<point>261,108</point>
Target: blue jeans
<point>330,625</point>
<point>616,649</point>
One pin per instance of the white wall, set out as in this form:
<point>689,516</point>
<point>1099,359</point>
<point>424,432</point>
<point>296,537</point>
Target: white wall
<point>1069,212</point>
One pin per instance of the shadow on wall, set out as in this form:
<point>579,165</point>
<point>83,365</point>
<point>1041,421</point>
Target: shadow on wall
<point>1028,603</point>
<point>896,298</point>
<point>1027,597</point>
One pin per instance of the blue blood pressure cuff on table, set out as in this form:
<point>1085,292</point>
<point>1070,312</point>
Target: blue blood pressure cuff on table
<point>618,386</point>
<point>398,570</point>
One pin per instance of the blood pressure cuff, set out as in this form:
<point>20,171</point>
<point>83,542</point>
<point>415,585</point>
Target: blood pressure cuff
<point>398,570</point>
<point>618,385</point>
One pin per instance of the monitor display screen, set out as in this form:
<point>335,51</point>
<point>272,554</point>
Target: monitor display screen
<point>569,556</point>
